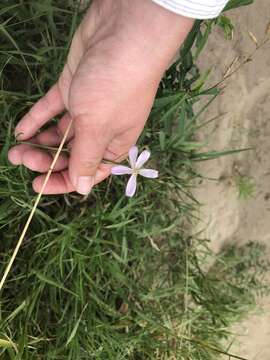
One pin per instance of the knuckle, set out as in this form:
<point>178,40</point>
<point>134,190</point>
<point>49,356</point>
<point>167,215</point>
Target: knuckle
<point>92,124</point>
<point>45,104</point>
<point>90,165</point>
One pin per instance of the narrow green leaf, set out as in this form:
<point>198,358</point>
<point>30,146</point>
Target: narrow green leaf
<point>216,154</point>
<point>76,326</point>
<point>51,282</point>
<point>237,3</point>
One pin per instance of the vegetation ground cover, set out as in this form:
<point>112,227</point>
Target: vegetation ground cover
<point>109,277</point>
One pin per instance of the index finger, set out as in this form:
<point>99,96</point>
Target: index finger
<point>46,108</point>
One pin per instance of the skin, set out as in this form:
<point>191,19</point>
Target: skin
<point>116,61</point>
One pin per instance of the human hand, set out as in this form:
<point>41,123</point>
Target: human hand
<point>117,58</point>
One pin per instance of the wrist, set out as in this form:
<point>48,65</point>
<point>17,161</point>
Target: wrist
<point>148,32</point>
<point>158,31</point>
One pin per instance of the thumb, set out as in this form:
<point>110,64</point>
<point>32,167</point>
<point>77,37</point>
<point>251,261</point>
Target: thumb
<point>88,148</point>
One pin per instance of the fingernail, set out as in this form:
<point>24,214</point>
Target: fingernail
<point>18,135</point>
<point>85,184</point>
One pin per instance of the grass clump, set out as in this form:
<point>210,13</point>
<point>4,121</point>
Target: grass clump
<point>246,187</point>
<point>106,277</point>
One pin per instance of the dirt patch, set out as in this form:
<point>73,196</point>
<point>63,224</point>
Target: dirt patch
<point>244,109</point>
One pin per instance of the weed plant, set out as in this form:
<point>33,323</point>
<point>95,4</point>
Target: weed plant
<point>246,187</point>
<point>109,277</point>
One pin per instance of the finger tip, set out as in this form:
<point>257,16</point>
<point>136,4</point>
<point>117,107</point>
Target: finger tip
<point>20,134</point>
<point>58,183</point>
<point>14,156</point>
<point>36,185</point>
<point>102,173</point>
<point>28,160</point>
<point>72,177</point>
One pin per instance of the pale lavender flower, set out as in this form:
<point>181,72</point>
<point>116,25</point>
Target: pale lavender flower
<point>135,169</point>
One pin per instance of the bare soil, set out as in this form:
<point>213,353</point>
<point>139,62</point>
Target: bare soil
<point>244,121</point>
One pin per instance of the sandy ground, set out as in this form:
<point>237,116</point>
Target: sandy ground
<point>245,106</point>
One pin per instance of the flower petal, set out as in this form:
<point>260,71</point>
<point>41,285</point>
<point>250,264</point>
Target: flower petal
<point>131,185</point>
<point>145,155</point>
<point>133,154</point>
<point>149,173</point>
<point>121,170</point>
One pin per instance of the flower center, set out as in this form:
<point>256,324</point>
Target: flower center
<point>136,171</point>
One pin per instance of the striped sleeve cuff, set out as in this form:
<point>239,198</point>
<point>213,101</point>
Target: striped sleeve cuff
<point>197,9</point>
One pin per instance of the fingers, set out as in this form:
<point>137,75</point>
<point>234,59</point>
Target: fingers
<point>88,149</point>
<point>35,159</point>
<point>54,134</point>
<point>38,160</point>
<point>91,144</point>
<point>46,108</point>
<point>59,183</point>
<point>15,154</point>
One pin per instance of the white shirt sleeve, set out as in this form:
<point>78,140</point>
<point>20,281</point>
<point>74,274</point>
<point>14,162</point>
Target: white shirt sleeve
<point>198,9</point>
